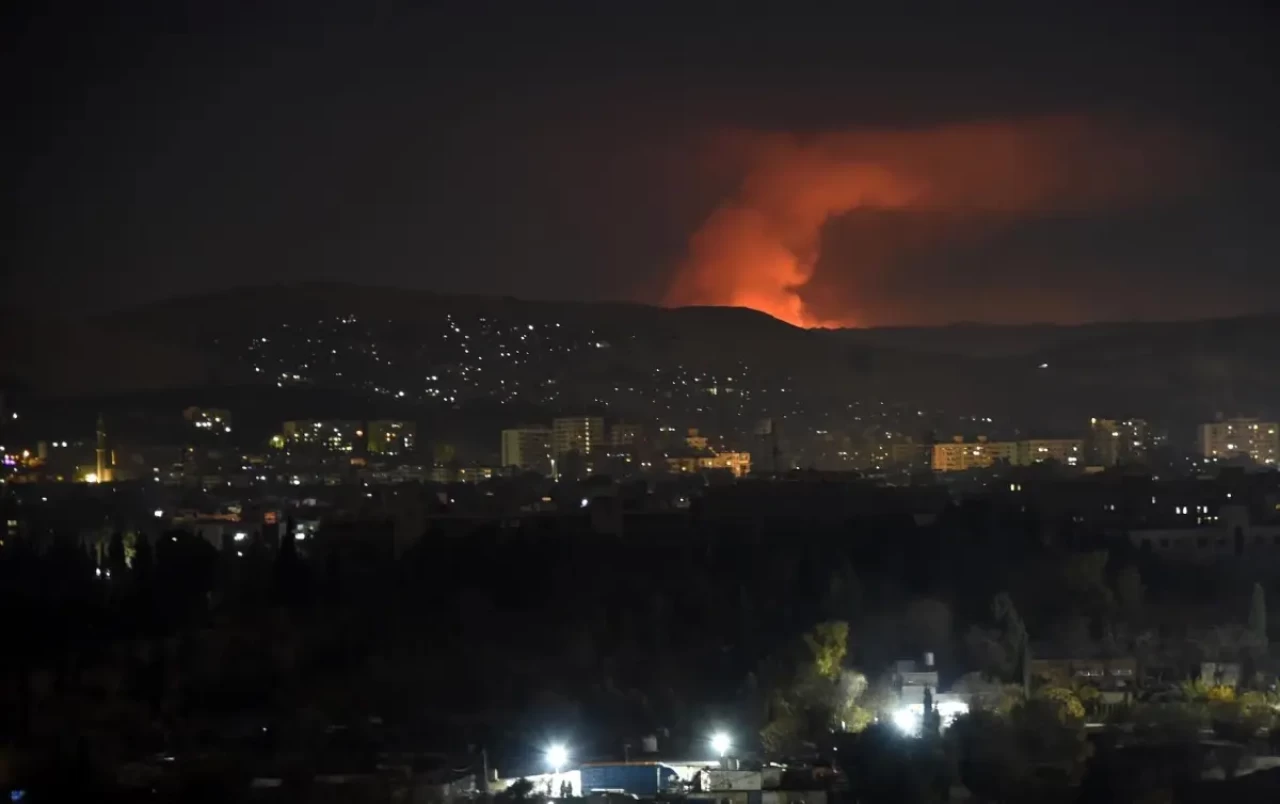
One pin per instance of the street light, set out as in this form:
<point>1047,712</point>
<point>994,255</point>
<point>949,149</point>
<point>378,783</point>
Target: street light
<point>720,743</point>
<point>557,756</point>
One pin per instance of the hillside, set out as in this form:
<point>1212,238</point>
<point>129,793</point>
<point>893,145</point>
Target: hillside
<point>705,364</point>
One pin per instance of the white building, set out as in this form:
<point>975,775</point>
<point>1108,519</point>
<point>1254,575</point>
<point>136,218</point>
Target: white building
<point>527,448</point>
<point>576,433</point>
<point>1232,438</point>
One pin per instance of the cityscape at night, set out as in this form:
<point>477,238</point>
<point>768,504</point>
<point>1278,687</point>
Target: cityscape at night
<point>516,404</point>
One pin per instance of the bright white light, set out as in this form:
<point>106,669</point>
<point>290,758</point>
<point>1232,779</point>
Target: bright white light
<point>720,743</point>
<point>584,502</point>
<point>907,721</point>
<point>239,537</point>
<point>557,756</point>
<point>950,710</point>
<point>92,477</point>
<point>159,513</point>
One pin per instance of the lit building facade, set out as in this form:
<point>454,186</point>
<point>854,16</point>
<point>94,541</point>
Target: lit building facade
<point>959,455</point>
<point>694,440</point>
<point>909,454</point>
<point>527,448</point>
<point>580,433</point>
<point>1066,451</point>
<point>341,436</point>
<point>1114,442</point>
<point>739,463</point>
<point>391,437</point>
<point>1232,438</point>
<point>623,434</point>
<point>209,420</point>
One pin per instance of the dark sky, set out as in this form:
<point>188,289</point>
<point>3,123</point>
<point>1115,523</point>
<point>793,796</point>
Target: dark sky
<point>173,147</point>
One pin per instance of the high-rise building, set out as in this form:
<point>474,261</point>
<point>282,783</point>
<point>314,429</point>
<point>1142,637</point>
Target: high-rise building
<point>624,434</point>
<point>392,437</point>
<point>1066,451</point>
<point>576,433</point>
<point>527,448</point>
<point>1233,438</point>
<point>331,435</point>
<point>1118,441</point>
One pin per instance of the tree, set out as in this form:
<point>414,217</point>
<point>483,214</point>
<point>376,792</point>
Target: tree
<point>116,563</point>
<point>806,703</point>
<point>1085,577</point>
<point>829,643</point>
<point>883,766</point>
<point>1258,616</point>
<point>1063,703</point>
<point>989,756</point>
<point>931,721</point>
<point>1131,594</point>
<point>519,790</point>
<point>1001,653</point>
<point>843,591</point>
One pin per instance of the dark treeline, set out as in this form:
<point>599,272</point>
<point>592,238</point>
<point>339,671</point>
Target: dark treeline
<point>506,637</point>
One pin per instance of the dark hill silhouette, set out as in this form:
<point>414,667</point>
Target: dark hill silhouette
<point>1183,371</point>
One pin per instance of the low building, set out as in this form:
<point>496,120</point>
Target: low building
<point>959,455</point>
<point>1104,673</point>
<point>691,461</point>
<point>1228,535</point>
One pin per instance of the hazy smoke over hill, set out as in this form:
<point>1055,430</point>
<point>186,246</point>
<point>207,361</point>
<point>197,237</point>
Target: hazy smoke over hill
<point>759,248</point>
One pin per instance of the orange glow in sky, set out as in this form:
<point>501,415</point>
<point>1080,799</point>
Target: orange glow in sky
<point>759,249</point>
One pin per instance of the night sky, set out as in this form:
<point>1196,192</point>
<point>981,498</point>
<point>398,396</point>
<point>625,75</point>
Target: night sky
<point>169,148</point>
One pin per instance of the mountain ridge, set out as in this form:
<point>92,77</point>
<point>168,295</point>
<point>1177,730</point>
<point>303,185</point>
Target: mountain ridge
<point>582,355</point>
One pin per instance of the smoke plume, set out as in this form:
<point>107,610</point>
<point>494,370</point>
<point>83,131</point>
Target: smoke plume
<point>759,248</point>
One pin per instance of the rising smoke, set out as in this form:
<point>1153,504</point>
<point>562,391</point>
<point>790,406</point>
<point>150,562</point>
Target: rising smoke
<point>759,249</point>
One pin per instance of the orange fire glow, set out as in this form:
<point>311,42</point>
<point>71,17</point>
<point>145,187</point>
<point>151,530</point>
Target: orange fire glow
<point>759,249</point>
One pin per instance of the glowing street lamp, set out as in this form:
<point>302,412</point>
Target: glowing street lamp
<point>557,756</point>
<point>721,743</point>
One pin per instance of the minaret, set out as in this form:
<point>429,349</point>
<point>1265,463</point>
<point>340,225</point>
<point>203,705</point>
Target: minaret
<point>102,451</point>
